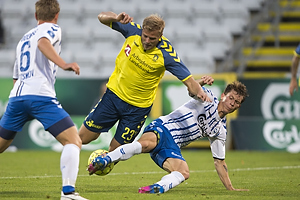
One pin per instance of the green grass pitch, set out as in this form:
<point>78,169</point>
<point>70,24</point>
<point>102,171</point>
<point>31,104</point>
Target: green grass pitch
<point>268,175</point>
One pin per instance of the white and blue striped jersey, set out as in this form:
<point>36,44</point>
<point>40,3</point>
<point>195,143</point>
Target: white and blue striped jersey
<point>36,74</point>
<point>196,119</point>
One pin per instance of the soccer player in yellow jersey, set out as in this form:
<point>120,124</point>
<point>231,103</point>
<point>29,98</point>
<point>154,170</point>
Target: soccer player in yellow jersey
<point>131,89</point>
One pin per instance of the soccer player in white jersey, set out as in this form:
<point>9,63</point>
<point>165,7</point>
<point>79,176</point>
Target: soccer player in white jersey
<point>33,95</point>
<point>164,137</point>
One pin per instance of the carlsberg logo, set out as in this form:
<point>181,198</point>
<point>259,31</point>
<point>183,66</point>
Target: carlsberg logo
<point>276,104</point>
<point>279,138</point>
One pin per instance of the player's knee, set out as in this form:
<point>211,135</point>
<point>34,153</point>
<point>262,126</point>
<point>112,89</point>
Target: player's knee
<point>83,139</point>
<point>3,148</point>
<point>87,136</point>
<point>217,162</point>
<point>185,174</point>
<point>72,140</point>
<point>81,133</point>
<point>78,143</point>
<point>147,146</point>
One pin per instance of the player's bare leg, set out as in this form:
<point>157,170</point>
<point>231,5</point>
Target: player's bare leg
<point>86,135</point>
<point>179,172</point>
<point>174,164</point>
<point>69,136</point>
<point>113,145</point>
<point>148,141</point>
<point>4,144</point>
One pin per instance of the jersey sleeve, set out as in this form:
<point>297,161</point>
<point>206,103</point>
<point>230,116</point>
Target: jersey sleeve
<point>52,32</point>
<point>297,51</point>
<point>217,147</point>
<point>173,63</point>
<point>127,29</point>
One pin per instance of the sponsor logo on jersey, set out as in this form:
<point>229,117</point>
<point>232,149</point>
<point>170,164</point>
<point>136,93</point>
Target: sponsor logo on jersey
<point>201,124</point>
<point>90,123</point>
<point>127,50</point>
<point>140,63</point>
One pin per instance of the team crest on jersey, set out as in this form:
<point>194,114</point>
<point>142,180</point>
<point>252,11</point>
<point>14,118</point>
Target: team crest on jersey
<point>155,58</point>
<point>127,50</point>
<point>216,130</point>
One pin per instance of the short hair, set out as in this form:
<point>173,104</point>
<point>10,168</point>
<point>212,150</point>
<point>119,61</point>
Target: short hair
<point>46,9</point>
<point>239,87</point>
<point>154,22</point>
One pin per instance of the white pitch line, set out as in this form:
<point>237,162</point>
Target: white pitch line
<point>192,171</point>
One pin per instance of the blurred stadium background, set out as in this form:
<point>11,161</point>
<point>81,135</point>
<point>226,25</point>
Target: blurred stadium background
<point>248,40</point>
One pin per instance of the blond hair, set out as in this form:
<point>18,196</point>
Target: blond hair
<point>154,22</point>
<point>46,9</point>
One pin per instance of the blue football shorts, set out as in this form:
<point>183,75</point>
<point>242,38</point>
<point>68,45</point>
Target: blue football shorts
<point>166,147</point>
<point>111,109</point>
<point>46,110</point>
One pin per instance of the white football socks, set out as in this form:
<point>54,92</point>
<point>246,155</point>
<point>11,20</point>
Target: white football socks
<point>171,180</point>
<point>125,151</point>
<point>69,164</point>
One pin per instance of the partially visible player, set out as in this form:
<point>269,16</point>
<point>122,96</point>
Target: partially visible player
<point>145,56</point>
<point>164,137</point>
<point>33,95</point>
<point>294,69</point>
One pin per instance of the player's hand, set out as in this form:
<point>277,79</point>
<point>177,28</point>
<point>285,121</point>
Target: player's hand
<point>124,18</point>
<point>72,67</point>
<point>203,96</point>
<point>293,86</point>
<point>206,80</point>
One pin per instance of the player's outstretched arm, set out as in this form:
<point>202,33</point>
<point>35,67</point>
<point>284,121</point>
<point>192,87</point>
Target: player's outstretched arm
<point>48,50</point>
<point>195,89</point>
<point>108,17</point>
<point>222,171</point>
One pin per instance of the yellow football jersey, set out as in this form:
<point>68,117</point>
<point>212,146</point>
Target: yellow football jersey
<point>138,72</point>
